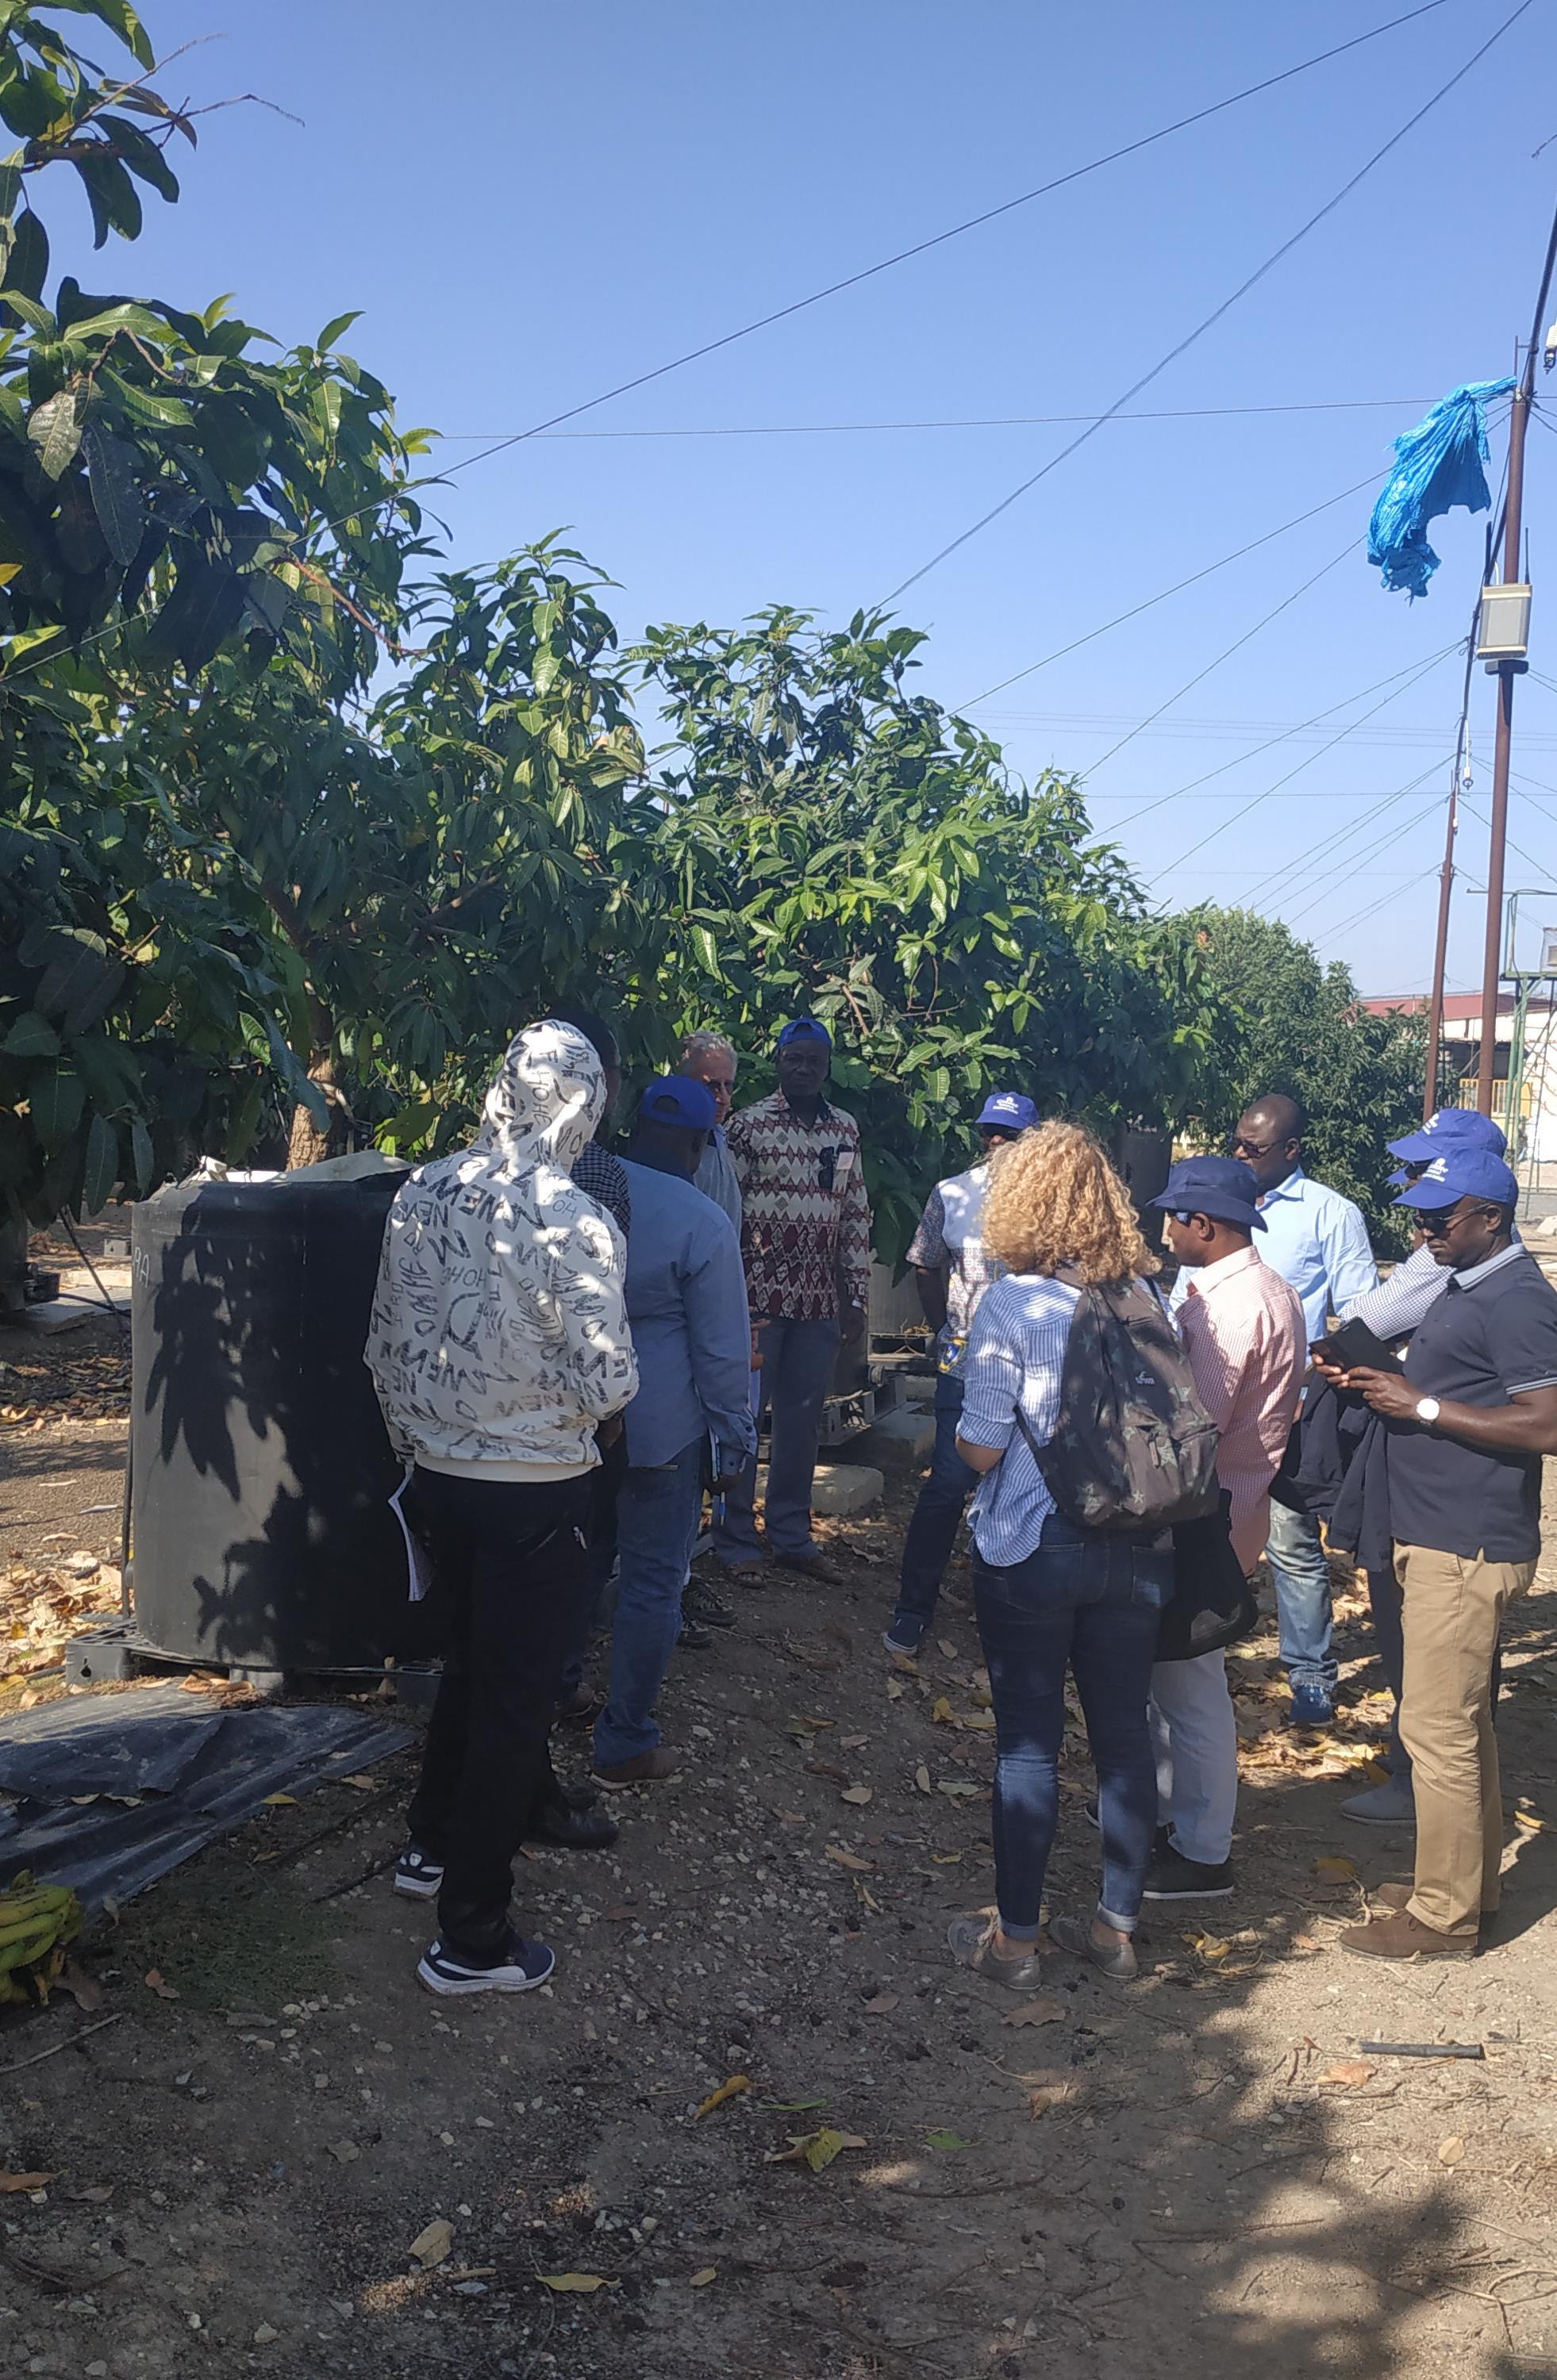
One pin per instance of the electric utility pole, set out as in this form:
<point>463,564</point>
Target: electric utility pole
<point>1507,669</point>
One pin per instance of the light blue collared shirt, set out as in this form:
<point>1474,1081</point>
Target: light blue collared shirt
<point>715,1177</point>
<point>1317,1241</point>
<point>686,1296</point>
<point>1016,1356</point>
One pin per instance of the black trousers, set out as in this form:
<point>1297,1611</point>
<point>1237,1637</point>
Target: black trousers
<point>510,1576</point>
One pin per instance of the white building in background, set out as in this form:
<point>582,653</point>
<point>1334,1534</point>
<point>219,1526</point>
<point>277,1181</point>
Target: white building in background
<point>1533,1134</point>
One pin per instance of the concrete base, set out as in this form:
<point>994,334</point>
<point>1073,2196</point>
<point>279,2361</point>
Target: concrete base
<point>919,1388</point>
<point>846,1488</point>
<point>904,1442</point>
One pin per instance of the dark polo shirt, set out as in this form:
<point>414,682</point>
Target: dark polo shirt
<point>1490,1335</point>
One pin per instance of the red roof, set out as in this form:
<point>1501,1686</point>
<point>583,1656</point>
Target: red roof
<point>1459,1007</point>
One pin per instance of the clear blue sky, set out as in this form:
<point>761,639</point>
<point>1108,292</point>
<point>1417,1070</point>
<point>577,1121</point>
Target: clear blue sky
<point>532,203</point>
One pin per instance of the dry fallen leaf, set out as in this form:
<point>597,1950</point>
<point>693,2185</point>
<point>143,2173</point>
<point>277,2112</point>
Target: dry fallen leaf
<point>858,1794</point>
<point>14,2181</point>
<point>1210,1945</point>
<point>940,1711</point>
<point>852,1743</point>
<point>577,2281</point>
<point>1046,2095</point>
<point>1524,1815</point>
<point>701,2280</point>
<point>1451,2151</point>
<point>947,1859</point>
<point>1038,2011</point>
<point>157,1982</point>
<point>1350,2075</point>
<point>84,1989</point>
<point>431,2247</point>
<point>947,1647</point>
<point>957,1792</point>
<point>894,1689</point>
<point>983,1721</point>
<point>847,1859</point>
<point>280,1802</point>
<point>815,2149</point>
<point>733,2089</point>
<point>1334,1868</point>
<point>882,2005</point>
<point>922,1777</point>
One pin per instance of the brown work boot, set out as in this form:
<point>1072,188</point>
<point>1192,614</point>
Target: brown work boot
<point>1395,1896</point>
<point>1401,1936</point>
<point>649,1768</point>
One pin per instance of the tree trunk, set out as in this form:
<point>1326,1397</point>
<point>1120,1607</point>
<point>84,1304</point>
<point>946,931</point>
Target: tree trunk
<point>308,1145</point>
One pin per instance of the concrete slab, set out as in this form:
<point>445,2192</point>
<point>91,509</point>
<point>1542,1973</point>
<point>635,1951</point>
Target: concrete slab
<point>903,1441</point>
<point>919,1388</point>
<point>842,1488</point>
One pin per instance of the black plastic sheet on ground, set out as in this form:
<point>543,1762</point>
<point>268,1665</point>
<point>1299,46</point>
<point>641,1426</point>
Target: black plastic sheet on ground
<point>165,1774</point>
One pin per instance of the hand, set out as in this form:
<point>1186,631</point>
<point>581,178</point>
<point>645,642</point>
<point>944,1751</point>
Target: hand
<point>1327,1368</point>
<point>851,1322</point>
<point>1390,1393</point>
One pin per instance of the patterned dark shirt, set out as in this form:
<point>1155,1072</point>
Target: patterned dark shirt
<point>805,1218</point>
<point>603,1178</point>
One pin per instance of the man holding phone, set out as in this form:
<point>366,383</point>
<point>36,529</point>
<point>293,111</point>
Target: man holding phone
<point>806,1238</point>
<point>1469,1421</point>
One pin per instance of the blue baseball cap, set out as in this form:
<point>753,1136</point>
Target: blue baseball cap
<point>1008,1111</point>
<point>1222,1187</point>
<point>1460,1173</point>
<point>1395,1179</point>
<point>803,1028</point>
<point>679,1099</point>
<point>1450,1128</point>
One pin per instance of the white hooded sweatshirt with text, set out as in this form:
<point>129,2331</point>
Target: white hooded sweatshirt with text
<point>499,1338</point>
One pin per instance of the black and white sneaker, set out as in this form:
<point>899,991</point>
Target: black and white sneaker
<point>1172,1877</point>
<point>700,1602</point>
<point>416,1874</point>
<point>522,1967</point>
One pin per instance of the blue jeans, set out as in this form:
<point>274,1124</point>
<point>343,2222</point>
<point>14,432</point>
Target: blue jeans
<point>657,1513</point>
<point>1302,1576</point>
<point>797,1360</point>
<point>1090,1601</point>
<point>932,1531</point>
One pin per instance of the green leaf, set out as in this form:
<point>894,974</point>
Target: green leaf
<point>119,17</point>
<point>81,977</point>
<point>141,1157</point>
<point>333,330</point>
<point>55,1105</point>
<point>944,2140</point>
<point>55,428</point>
<point>115,492</point>
<point>31,1037</point>
<point>26,266</point>
<point>103,1166</point>
<point>141,154</point>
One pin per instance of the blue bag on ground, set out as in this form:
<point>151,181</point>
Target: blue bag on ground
<point>1438,464</point>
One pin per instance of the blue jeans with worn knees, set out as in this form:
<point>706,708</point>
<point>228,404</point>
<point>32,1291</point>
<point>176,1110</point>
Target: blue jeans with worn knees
<point>797,1360</point>
<point>932,1531</point>
<point>656,1524</point>
<point>1090,1601</point>
<point>1303,1610</point>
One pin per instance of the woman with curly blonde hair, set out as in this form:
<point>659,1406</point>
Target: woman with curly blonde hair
<point>1051,1596</point>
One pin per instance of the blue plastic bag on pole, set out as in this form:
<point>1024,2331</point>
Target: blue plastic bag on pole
<point>1438,464</point>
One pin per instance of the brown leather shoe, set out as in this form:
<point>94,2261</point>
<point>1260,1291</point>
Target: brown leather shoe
<point>813,1566</point>
<point>1401,1936</point>
<point>649,1768</point>
<point>1395,1896</point>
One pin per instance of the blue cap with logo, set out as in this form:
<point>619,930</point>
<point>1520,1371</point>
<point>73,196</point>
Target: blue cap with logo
<point>679,1099</point>
<point>1222,1187</point>
<point>1449,1128</point>
<point>1461,1173</point>
<point>803,1028</point>
<point>1008,1111</point>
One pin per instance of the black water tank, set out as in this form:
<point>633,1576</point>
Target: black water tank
<point>259,1467</point>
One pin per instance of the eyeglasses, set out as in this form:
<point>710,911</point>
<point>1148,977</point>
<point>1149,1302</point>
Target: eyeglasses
<point>1240,1145</point>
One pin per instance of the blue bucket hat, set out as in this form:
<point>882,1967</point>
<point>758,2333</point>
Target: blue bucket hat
<point>1461,1173</point>
<point>1222,1187</point>
<point>1008,1111</point>
<point>1449,1128</point>
<point>679,1099</point>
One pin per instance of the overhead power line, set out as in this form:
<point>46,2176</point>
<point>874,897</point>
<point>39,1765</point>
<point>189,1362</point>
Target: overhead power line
<point>955,231</point>
<point>1218,312</point>
<point>974,421</point>
<point>1359,915</point>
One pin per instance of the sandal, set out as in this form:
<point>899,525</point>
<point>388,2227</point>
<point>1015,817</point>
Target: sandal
<point>1118,1963</point>
<point>971,1943</point>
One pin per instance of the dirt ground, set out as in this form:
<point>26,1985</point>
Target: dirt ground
<point>1202,2173</point>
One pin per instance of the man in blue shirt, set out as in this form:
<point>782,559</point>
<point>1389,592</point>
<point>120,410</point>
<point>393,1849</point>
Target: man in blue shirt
<point>1317,1241</point>
<point>685,1299</point>
<point>1467,1423</point>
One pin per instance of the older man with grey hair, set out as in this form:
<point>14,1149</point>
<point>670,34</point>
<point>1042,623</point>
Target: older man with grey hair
<point>711,1059</point>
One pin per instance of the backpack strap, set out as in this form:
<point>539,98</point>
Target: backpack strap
<point>1025,1426</point>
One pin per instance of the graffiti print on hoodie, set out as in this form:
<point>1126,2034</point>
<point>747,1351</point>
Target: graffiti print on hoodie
<point>499,1339</point>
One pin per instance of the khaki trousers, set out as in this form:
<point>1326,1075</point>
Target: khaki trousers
<point>1453,1605</point>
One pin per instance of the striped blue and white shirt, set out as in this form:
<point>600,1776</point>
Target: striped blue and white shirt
<point>1016,1356</point>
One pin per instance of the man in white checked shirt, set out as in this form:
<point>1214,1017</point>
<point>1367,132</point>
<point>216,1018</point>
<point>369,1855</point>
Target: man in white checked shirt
<point>1242,1330</point>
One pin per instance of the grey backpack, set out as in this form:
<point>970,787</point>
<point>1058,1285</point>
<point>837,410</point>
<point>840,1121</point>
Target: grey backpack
<point>1132,1447</point>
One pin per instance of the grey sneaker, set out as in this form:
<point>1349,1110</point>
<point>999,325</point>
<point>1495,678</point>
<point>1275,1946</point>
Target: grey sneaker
<point>971,1943</point>
<point>1390,1805</point>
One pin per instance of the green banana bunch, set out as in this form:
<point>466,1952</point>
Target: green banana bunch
<point>36,1922</point>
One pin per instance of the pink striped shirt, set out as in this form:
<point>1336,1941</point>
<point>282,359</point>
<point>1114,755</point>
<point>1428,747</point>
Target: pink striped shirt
<point>1242,1328</point>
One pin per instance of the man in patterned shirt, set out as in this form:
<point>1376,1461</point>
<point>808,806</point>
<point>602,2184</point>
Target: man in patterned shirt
<point>947,1254</point>
<point>806,1238</point>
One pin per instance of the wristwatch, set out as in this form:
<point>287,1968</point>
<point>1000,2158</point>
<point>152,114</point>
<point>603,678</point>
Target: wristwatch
<point>1427,1409</point>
